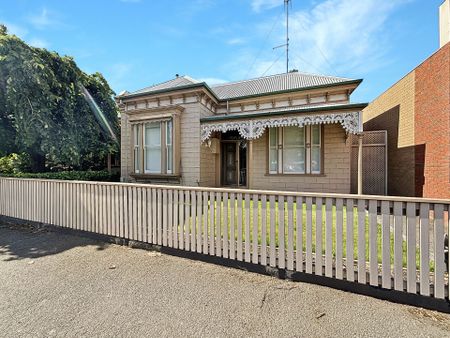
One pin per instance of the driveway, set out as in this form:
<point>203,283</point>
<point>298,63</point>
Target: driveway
<point>58,285</point>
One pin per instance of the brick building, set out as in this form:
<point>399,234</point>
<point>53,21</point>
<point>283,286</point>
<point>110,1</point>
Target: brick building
<point>416,114</point>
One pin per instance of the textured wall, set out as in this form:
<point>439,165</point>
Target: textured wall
<point>336,176</point>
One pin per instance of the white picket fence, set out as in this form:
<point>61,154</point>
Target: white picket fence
<point>390,242</point>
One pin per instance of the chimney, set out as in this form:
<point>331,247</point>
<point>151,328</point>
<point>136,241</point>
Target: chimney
<point>444,23</point>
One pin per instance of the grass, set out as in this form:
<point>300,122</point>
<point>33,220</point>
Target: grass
<point>295,231</point>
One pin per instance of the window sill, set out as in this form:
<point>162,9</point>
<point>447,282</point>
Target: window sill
<point>149,176</point>
<point>297,175</point>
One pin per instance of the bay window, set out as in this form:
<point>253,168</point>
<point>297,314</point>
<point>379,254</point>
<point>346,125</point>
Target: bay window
<point>295,150</point>
<point>157,150</point>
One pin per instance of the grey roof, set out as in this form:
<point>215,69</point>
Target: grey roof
<point>274,83</point>
<point>258,86</point>
<point>180,81</point>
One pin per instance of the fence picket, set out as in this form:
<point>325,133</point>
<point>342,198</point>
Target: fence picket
<point>247,228</point>
<point>225,226</point>
<point>281,234</point>
<point>218,224</point>
<point>192,237</point>
<point>329,237</point>
<point>180,224</point>
<point>319,240</point>
<point>187,221</point>
<point>339,238</point>
<point>350,255</point>
<point>290,234</point>
<point>398,250</point>
<point>361,241</point>
<point>170,205</point>
<point>199,221</point>
<point>386,245</point>
<point>299,234</point>
<point>411,247</point>
<point>263,230</point>
<point>211,223</point>
<point>232,226</point>
<point>438,240</point>
<point>175,228</point>
<point>255,229</point>
<point>239,229</point>
<point>309,235</point>
<point>272,258</point>
<point>373,242</point>
<point>424,249</point>
<point>205,223</point>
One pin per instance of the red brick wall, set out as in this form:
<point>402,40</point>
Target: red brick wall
<point>432,125</point>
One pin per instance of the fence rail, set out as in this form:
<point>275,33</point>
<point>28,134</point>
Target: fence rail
<point>390,242</point>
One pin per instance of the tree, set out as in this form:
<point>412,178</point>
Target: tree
<point>43,111</point>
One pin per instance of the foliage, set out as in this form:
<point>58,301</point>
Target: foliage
<point>14,163</point>
<point>43,112</point>
<point>89,175</point>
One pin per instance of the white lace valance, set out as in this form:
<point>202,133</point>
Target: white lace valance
<point>253,129</point>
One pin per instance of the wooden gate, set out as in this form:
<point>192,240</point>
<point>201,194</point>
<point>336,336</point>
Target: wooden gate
<point>374,163</point>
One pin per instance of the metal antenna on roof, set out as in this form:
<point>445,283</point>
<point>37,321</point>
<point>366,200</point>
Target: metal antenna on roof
<point>286,6</point>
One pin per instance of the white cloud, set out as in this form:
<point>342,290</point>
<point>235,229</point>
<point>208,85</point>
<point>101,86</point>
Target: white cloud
<point>259,5</point>
<point>211,81</point>
<point>236,41</point>
<point>118,74</point>
<point>43,19</point>
<point>40,43</point>
<point>336,37</point>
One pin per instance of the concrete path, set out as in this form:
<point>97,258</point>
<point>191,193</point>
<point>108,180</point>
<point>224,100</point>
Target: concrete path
<point>55,285</point>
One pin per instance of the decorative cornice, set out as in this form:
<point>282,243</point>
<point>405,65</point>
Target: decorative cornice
<point>254,128</point>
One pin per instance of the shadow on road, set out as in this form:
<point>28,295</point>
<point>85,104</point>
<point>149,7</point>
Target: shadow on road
<point>27,241</point>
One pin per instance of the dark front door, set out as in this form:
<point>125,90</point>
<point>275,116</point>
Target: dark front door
<point>229,163</point>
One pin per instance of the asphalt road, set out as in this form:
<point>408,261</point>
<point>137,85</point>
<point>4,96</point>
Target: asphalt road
<point>56,285</point>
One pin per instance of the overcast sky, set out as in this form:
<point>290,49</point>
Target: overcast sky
<point>136,43</point>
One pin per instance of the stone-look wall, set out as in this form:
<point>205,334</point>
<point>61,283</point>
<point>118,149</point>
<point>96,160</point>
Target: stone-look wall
<point>126,151</point>
<point>208,160</point>
<point>394,111</point>
<point>432,125</point>
<point>416,114</point>
<point>189,146</point>
<point>336,177</point>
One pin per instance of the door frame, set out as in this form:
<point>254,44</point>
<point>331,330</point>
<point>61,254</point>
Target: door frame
<point>221,166</point>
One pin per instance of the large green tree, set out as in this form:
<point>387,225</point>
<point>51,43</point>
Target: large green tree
<point>43,111</point>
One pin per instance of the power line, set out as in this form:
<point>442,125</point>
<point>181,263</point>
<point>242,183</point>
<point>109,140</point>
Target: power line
<point>264,43</point>
<point>278,58</point>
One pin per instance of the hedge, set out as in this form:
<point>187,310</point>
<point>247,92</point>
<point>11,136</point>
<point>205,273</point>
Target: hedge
<point>70,175</point>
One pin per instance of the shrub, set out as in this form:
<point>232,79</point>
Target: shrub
<point>14,163</point>
<point>90,175</point>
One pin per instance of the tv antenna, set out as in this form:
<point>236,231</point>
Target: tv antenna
<point>286,7</point>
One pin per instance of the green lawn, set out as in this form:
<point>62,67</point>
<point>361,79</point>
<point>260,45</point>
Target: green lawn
<point>314,225</point>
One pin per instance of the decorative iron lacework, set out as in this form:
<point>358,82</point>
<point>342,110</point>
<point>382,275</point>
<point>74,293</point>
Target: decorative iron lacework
<point>253,129</point>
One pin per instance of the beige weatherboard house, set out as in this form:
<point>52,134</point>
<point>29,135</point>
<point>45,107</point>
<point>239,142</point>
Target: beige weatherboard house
<point>281,132</point>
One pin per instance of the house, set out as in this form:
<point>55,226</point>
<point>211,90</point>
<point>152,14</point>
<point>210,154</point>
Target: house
<point>285,132</point>
<point>415,111</point>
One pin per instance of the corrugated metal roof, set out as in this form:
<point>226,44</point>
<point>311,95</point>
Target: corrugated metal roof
<point>273,83</point>
<point>180,81</point>
<point>257,86</point>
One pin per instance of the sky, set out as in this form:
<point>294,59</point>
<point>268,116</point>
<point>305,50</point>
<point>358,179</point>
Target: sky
<point>137,43</point>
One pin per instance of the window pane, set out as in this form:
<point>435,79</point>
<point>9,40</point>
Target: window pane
<point>153,160</point>
<point>136,135</point>
<point>169,148</point>
<point>315,159</point>
<point>273,137</point>
<point>315,131</point>
<point>153,134</point>
<point>294,160</point>
<point>294,136</point>
<point>153,147</point>
<point>273,160</point>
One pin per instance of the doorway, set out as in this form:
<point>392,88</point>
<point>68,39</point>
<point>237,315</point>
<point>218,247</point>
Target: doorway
<point>234,162</point>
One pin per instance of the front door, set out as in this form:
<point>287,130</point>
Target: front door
<point>229,163</point>
<point>234,163</point>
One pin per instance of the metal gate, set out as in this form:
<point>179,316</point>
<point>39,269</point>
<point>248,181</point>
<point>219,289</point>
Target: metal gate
<point>374,164</point>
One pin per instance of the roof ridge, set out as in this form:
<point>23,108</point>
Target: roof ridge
<point>274,75</point>
<point>164,82</point>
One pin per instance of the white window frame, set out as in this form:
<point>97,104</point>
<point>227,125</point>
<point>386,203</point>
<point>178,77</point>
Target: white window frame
<point>136,149</point>
<point>146,148</point>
